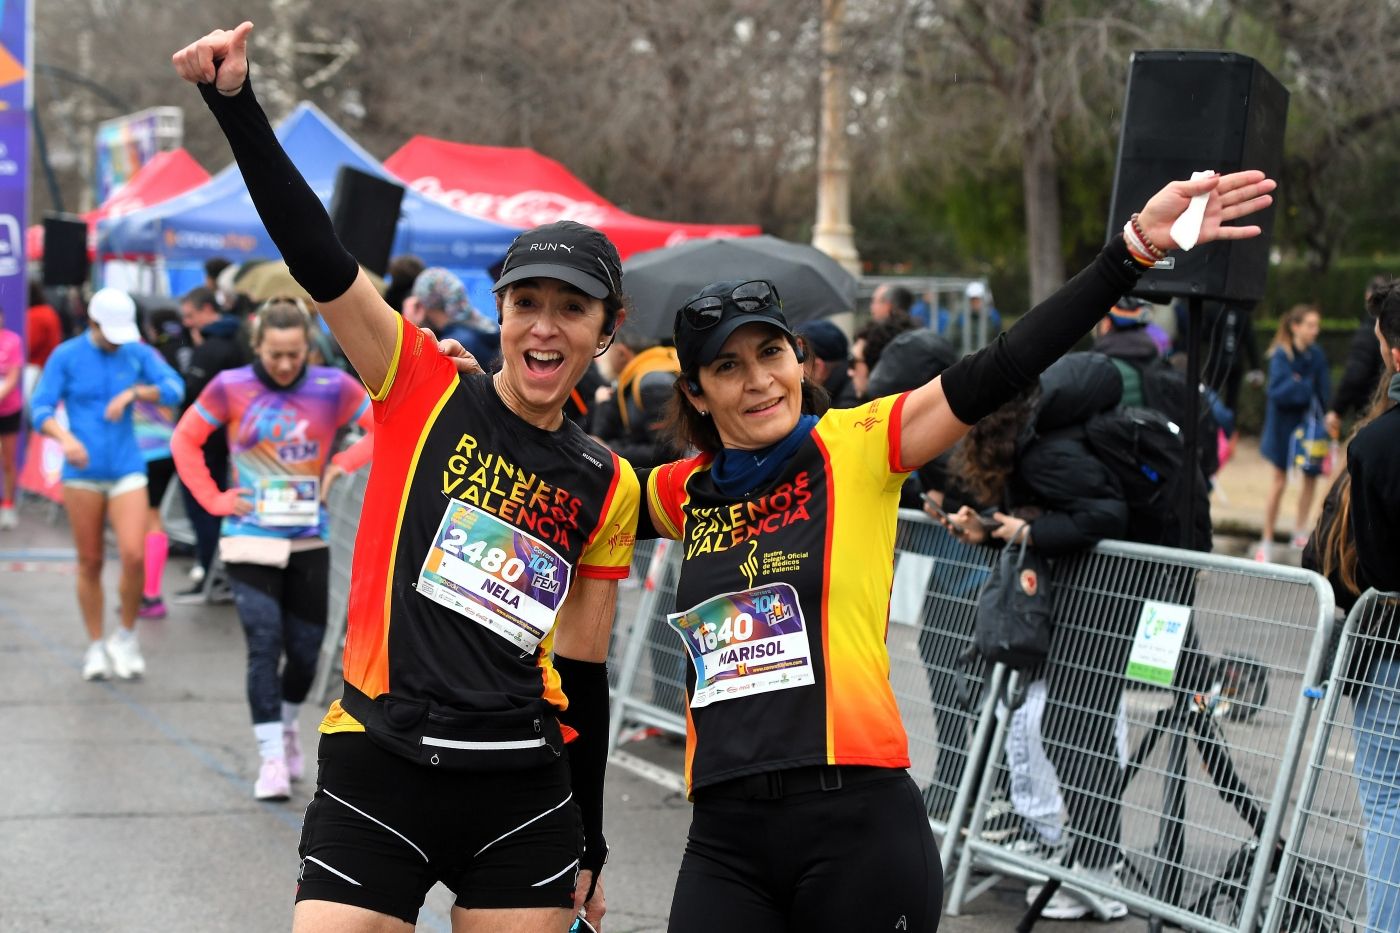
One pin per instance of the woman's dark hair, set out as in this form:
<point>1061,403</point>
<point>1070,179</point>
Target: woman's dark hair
<point>687,429</point>
<point>1336,548</point>
<point>1384,305</point>
<point>985,459</point>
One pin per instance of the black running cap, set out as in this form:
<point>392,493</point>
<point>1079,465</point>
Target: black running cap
<point>571,252</point>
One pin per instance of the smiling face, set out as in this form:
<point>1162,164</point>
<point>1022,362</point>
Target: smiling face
<point>549,333</point>
<point>753,388</point>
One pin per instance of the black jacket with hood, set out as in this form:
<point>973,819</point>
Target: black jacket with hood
<point>1072,499</point>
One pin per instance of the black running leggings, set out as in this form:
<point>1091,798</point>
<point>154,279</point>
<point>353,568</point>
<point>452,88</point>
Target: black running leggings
<point>859,858</point>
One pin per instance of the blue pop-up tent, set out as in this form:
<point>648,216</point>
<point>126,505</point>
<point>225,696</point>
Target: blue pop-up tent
<point>218,219</point>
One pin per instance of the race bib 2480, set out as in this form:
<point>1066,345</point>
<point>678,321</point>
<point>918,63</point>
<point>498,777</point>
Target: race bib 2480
<point>495,574</point>
<point>746,643</point>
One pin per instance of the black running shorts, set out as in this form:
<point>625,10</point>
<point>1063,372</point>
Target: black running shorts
<point>858,857</point>
<point>381,830</point>
<point>158,476</point>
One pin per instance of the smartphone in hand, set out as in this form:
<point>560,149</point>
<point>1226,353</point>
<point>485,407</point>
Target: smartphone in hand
<point>939,512</point>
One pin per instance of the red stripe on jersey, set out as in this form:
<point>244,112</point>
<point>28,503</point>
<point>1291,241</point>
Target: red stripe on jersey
<point>829,685</point>
<point>897,464</point>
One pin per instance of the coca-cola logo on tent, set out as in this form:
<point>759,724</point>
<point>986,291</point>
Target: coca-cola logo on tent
<point>524,209</point>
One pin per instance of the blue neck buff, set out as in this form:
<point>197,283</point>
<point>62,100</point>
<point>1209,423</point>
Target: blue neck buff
<point>740,472</point>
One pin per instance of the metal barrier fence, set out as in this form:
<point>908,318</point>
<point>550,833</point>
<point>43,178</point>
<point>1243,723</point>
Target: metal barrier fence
<point>343,502</point>
<point>1172,713</point>
<point>1341,868</point>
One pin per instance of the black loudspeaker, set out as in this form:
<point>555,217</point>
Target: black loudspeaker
<point>65,250</point>
<point>365,214</point>
<point>1187,111</point>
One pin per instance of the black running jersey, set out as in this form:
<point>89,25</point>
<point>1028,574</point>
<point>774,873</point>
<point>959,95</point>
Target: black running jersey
<point>783,603</point>
<point>474,526</point>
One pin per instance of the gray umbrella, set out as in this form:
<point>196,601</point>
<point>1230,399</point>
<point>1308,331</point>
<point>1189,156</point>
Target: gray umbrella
<point>810,282</point>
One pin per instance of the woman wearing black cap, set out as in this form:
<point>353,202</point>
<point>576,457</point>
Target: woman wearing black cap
<point>805,817</point>
<point>492,535</point>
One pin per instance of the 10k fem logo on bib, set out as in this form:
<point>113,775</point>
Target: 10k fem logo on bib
<point>495,574</point>
<point>744,643</point>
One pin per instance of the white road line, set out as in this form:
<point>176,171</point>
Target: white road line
<point>644,769</point>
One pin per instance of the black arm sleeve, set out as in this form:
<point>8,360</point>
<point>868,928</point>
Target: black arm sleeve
<point>982,382</point>
<point>289,209</point>
<point>585,683</point>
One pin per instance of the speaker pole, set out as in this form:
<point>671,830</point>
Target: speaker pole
<point>1191,439</point>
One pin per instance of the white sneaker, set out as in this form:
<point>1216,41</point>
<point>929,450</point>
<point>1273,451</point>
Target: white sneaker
<point>1070,904</point>
<point>9,518</point>
<point>273,783</point>
<point>125,653</point>
<point>296,763</point>
<point>95,666</point>
<point>196,573</point>
<point>1264,553</point>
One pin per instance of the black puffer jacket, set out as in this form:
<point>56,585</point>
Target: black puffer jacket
<point>1073,498</point>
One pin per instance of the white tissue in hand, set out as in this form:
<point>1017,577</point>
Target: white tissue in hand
<point>1186,229</point>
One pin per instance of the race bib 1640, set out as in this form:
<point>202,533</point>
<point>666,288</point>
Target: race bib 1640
<point>746,643</point>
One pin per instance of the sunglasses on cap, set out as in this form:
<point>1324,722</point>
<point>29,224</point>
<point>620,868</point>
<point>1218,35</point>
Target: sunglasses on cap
<point>749,297</point>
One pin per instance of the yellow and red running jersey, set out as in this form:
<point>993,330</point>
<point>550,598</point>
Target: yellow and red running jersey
<point>783,603</point>
<point>474,526</point>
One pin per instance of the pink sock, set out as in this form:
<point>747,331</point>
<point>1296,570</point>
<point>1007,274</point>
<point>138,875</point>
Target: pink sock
<point>157,549</point>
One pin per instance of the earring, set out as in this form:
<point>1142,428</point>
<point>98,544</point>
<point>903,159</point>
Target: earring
<point>704,414</point>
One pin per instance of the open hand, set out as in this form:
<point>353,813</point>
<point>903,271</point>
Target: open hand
<point>220,59</point>
<point>1232,196</point>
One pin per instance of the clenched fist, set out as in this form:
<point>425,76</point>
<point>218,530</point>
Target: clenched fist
<point>220,59</point>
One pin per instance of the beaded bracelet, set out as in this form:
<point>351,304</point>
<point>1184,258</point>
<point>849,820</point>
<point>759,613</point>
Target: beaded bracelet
<point>1152,249</point>
<point>1139,247</point>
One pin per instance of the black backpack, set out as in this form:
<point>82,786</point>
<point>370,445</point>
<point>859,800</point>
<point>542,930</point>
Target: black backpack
<point>1164,389</point>
<point>1143,450</point>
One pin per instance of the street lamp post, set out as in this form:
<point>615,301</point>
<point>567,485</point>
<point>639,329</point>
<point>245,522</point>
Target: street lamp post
<point>833,233</point>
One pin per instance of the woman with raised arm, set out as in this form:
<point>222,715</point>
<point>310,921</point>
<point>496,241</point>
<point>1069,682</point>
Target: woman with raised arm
<point>805,816</point>
<point>491,541</point>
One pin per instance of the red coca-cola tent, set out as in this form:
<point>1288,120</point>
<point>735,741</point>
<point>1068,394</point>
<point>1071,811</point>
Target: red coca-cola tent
<point>165,176</point>
<point>522,188</point>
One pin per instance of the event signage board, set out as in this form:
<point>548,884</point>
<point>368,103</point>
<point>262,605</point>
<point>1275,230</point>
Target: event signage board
<point>15,102</point>
<point>126,143</point>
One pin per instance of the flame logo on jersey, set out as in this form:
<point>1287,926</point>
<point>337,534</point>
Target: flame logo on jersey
<point>749,567</point>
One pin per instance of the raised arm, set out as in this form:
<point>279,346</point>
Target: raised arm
<point>935,415</point>
<point>366,328</point>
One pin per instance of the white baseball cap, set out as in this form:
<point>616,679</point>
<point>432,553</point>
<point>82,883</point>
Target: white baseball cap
<point>976,290</point>
<point>114,313</point>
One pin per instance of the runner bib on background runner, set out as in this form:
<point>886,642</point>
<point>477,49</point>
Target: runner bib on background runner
<point>745,643</point>
<point>493,573</point>
<point>288,500</point>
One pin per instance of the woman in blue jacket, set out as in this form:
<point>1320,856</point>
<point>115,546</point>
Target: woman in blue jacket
<point>1298,375</point>
<point>97,376</point>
